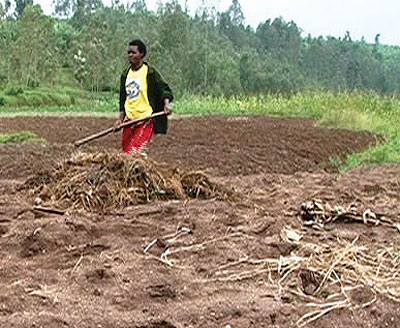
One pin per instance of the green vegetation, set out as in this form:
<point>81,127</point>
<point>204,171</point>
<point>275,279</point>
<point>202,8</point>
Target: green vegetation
<point>213,53</point>
<point>20,137</point>
<point>46,100</point>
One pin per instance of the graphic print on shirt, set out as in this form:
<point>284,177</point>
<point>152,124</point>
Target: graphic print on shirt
<point>133,89</point>
<point>137,105</point>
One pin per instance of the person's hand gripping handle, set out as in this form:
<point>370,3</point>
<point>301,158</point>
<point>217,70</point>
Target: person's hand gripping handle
<point>167,107</point>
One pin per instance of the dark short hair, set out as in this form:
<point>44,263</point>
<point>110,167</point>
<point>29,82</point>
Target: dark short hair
<point>140,44</point>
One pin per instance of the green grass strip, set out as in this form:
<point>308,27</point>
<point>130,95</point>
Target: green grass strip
<point>20,137</point>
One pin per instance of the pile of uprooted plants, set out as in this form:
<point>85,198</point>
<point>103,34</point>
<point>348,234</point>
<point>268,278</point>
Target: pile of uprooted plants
<point>107,181</point>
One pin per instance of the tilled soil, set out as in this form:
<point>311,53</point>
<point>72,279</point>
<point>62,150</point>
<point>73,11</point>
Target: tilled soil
<point>221,146</point>
<point>192,263</point>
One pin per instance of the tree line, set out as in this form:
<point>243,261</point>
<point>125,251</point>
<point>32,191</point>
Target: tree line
<point>84,44</point>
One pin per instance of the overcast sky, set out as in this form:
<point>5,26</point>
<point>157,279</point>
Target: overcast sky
<point>317,17</point>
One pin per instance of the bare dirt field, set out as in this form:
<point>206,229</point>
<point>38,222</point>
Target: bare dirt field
<point>296,244</point>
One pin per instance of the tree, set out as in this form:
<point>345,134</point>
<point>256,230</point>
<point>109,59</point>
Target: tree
<point>235,13</point>
<point>34,45</point>
<point>91,59</point>
<point>206,16</point>
<point>173,36</point>
<point>20,7</point>
<point>4,8</point>
<point>281,38</point>
<point>211,52</point>
<point>231,23</point>
<point>79,10</point>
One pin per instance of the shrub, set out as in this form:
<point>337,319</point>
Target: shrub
<point>14,91</point>
<point>32,83</point>
<point>72,99</point>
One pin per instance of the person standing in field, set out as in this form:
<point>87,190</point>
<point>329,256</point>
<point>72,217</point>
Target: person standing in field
<point>142,92</point>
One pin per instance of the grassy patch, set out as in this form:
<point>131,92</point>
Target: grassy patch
<point>44,100</point>
<point>20,137</point>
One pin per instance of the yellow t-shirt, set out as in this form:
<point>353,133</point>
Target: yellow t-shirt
<point>137,104</point>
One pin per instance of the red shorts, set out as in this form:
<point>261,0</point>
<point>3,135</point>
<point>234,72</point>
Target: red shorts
<point>135,139</point>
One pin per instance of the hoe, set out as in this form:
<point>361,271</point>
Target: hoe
<point>110,130</point>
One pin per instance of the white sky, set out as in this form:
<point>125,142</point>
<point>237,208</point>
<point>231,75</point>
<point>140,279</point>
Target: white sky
<point>317,17</point>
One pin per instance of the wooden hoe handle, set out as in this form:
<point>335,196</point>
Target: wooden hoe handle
<point>80,142</point>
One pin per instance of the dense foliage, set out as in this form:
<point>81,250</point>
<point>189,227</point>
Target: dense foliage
<point>84,44</point>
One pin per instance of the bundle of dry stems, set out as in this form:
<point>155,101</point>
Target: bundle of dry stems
<point>107,181</point>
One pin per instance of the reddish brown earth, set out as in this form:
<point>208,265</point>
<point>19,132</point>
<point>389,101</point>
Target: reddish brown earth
<point>85,269</point>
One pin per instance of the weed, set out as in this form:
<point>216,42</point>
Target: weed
<point>19,137</point>
<point>14,91</point>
